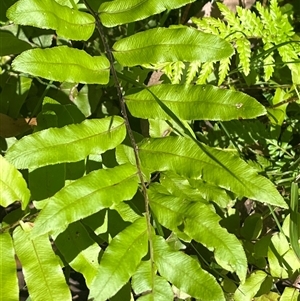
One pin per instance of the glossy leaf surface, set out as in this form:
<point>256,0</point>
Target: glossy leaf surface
<point>70,143</point>
<point>219,167</point>
<point>13,186</point>
<point>68,23</point>
<point>63,63</point>
<point>194,102</point>
<point>121,12</point>
<point>185,272</point>
<point>11,44</point>
<point>98,190</point>
<point>120,260</point>
<point>8,270</point>
<point>161,45</point>
<point>43,275</point>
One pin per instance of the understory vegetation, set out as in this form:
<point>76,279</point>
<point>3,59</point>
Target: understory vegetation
<point>148,152</point>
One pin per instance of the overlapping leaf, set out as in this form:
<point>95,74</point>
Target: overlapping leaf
<point>13,186</point>
<point>201,224</point>
<point>43,275</point>
<point>48,14</point>
<point>120,260</point>
<point>11,44</point>
<point>121,12</point>
<point>185,272</point>
<point>161,45</point>
<point>63,63</point>
<point>194,102</point>
<point>70,143</point>
<point>8,272</point>
<point>98,190</point>
<point>219,167</point>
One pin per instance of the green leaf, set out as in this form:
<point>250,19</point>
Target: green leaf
<point>252,227</point>
<point>290,294</point>
<point>120,260</point>
<point>161,45</point>
<point>152,289</point>
<point>200,223</point>
<point>11,44</point>
<point>185,272</point>
<point>63,63</point>
<point>194,102</point>
<point>98,190</point>
<point>249,289</point>
<point>121,12</point>
<point>70,143</point>
<point>8,270</point>
<point>48,14</point>
<point>13,185</point>
<point>43,275</point>
<point>79,250</point>
<point>219,167</point>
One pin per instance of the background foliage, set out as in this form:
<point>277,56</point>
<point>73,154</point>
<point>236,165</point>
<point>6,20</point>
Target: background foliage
<point>148,153</point>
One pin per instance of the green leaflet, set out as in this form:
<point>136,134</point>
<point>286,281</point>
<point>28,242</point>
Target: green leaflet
<point>63,63</point>
<point>153,289</point>
<point>79,250</point>
<point>121,12</point>
<point>120,260</point>
<point>185,272</point>
<point>218,167</point>
<point>8,273</point>
<point>98,190</point>
<point>194,102</point>
<point>201,224</point>
<point>161,45</point>
<point>13,186</point>
<point>43,275</point>
<point>70,143</point>
<point>11,44</point>
<point>48,14</point>
<point>249,289</point>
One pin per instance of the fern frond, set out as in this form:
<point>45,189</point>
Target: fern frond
<point>192,71</point>
<point>223,69</point>
<point>207,69</point>
<point>268,62</point>
<point>178,68</point>
<point>244,49</point>
<point>230,17</point>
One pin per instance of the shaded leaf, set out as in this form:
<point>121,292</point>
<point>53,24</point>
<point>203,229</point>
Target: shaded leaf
<point>160,45</point>
<point>8,272</point>
<point>218,167</point>
<point>63,63</point>
<point>152,289</point>
<point>70,143</point>
<point>120,260</point>
<point>185,272</point>
<point>121,12</point>
<point>48,14</point>
<point>43,275</point>
<point>13,185</point>
<point>194,102</point>
<point>11,44</point>
<point>98,190</point>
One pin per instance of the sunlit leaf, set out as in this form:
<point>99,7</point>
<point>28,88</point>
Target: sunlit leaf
<point>120,260</point>
<point>8,272</point>
<point>98,190</point>
<point>194,102</point>
<point>43,275</point>
<point>11,44</point>
<point>63,63</point>
<point>170,45</point>
<point>68,23</point>
<point>13,186</point>
<point>121,12</point>
<point>185,273</point>
<point>70,143</point>
<point>219,167</point>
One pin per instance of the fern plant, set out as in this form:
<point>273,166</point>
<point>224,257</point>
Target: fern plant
<point>270,25</point>
<point>96,195</point>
